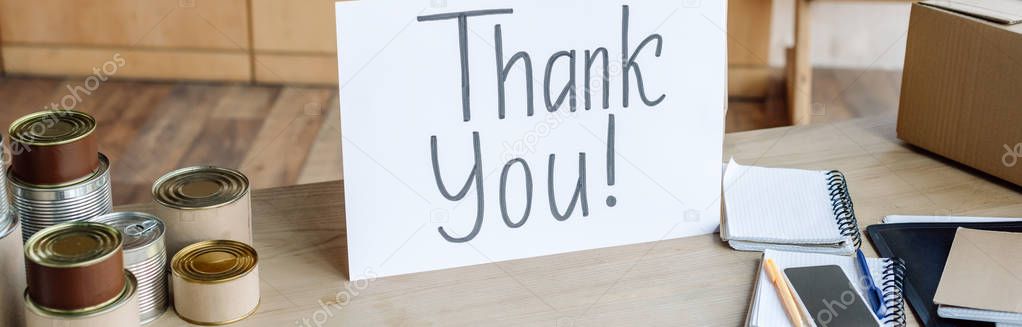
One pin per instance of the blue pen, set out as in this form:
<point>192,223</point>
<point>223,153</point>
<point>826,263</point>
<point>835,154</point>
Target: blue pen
<point>873,294</point>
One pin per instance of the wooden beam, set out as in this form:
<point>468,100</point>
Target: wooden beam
<point>150,64</point>
<point>748,81</point>
<point>2,70</point>
<point>800,71</point>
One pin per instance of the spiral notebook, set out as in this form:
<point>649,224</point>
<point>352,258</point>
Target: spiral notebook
<point>924,242</point>
<point>888,274</point>
<point>788,209</point>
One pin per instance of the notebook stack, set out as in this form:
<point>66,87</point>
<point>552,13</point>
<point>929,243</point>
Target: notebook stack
<point>962,271</point>
<point>804,223</point>
<point>888,274</point>
<point>788,209</point>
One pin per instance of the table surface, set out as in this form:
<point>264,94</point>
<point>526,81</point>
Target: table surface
<point>694,281</point>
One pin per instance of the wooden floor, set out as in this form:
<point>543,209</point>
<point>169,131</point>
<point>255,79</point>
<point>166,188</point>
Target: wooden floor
<point>283,135</point>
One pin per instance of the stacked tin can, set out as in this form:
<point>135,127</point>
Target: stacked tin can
<point>12,259</point>
<point>76,278</point>
<point>214,268</point>
<point>145,256</point>
<point>215,282</point>
<point>204,203</point>
<point>57,174</point>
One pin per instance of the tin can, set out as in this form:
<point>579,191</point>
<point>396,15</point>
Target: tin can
<point>40,207</point>
<point>54,147</point>
<point>5,206</point>
<point>204,203</point>
<point>122,311</point>
<point>12,272</point>
<point>215,282</point>
<point>75,266</point>
<point>145,256</point>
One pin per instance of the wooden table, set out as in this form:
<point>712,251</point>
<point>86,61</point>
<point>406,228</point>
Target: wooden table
<point>695,281</point>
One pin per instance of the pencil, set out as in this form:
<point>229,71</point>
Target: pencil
<point>783,292</point>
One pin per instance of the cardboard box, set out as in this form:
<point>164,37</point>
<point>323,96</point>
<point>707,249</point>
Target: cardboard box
<point>961,92</point>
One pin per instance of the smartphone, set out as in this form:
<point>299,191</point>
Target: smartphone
<point>829,297</point>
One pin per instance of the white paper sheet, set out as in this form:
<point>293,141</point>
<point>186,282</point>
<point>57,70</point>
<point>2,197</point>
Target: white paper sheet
<point>401,84</point>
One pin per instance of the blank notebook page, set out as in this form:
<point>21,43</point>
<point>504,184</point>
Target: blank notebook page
<point>779,205</point>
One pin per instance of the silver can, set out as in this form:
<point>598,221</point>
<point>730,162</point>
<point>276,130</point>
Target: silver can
<point>145,256</point>
<point>12,272</point>
<point>41,206</point>
<point>12,257</point>
<point>5,206</point>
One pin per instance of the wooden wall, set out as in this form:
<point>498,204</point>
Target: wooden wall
<point>162,39</point>
<point>748,47</point>
<point>260,41</point>
<point>295,41</point>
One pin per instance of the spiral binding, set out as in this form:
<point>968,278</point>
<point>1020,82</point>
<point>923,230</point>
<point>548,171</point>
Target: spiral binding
<point>894,268</point>
<point>844,212</point>
<point>892,287</point>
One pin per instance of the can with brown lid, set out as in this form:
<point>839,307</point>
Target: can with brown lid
<point>75,266</point>
<point>54,147</point>
<point>12,271</point>
<point>121,311</point>
<point>204,203</point>
<point>145,256</point>
<point>215,282</point>
<point>44,206</point>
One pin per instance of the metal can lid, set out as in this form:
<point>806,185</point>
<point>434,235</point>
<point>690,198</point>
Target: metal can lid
<point>52,127</point>
<point>139,229</point>
<point>75,244</point>
<point>212,262</point>
<point>130,288</point>
<point>200,187</point>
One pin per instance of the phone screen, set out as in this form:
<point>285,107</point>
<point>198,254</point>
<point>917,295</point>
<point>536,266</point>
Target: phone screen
<point>829,297</point>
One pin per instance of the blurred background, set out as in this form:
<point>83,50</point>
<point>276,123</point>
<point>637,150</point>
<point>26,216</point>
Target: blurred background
<point>252,84</point>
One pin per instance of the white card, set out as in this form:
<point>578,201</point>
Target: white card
<point>402,67</point>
